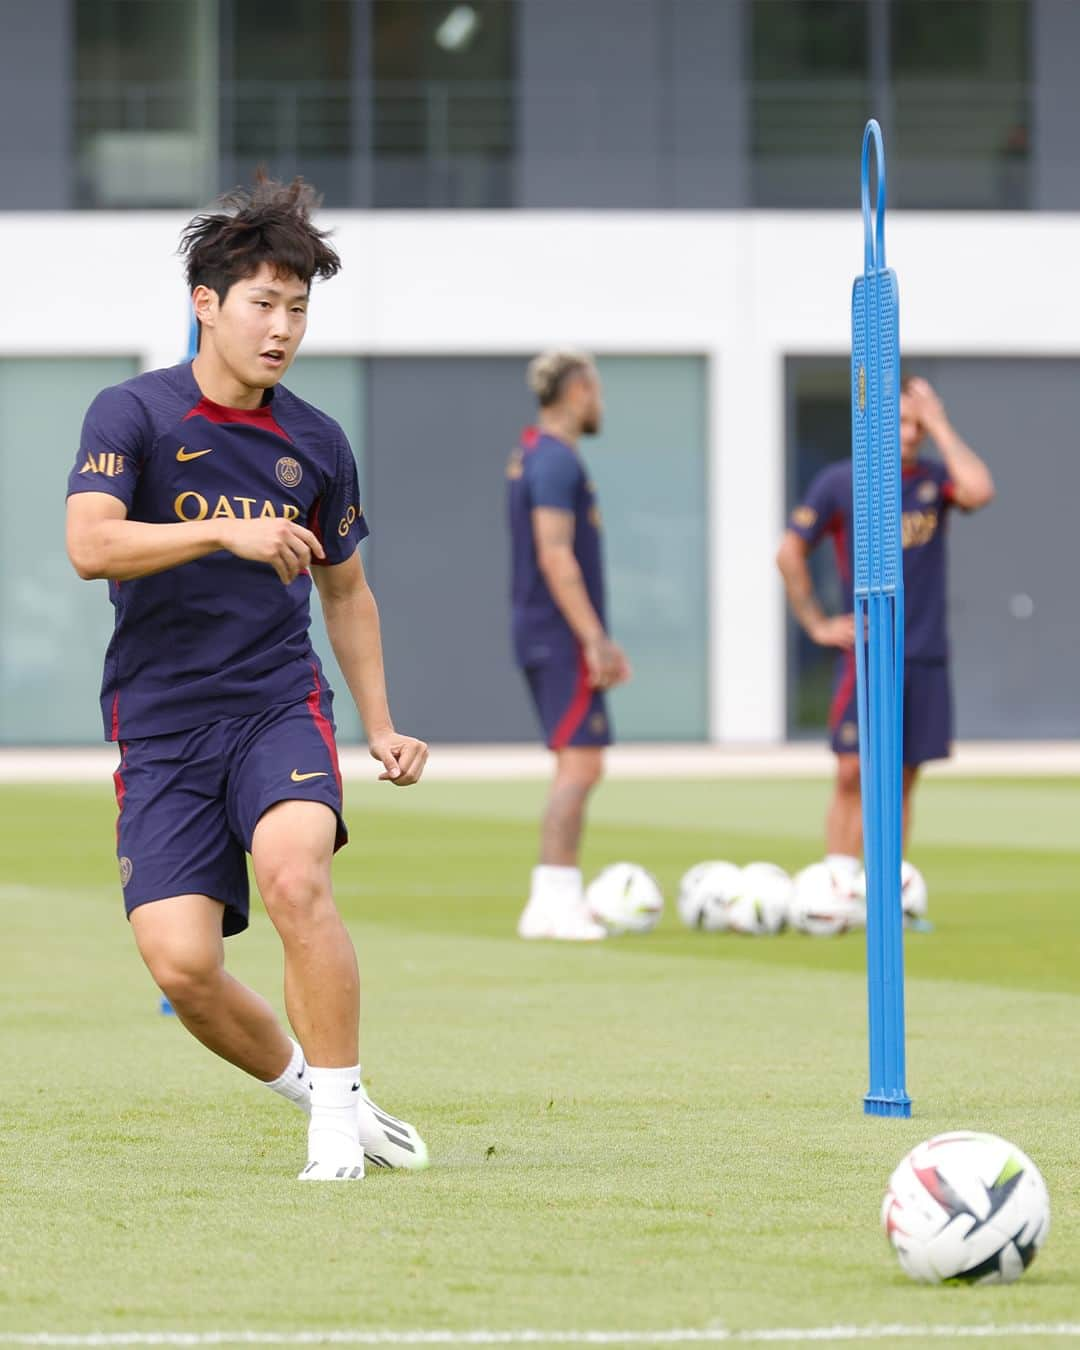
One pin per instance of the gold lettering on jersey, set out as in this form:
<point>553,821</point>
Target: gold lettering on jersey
<point>108,463</point>
<point>918,528</point>
<point>346,522</point>
<point>516,464</point>
<point>805,517</point>
<point>194,506</point>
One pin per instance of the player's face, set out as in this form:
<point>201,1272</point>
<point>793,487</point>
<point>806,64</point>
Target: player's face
<point>258,328</point>
<point>590,403</point>
<point>912,430</point>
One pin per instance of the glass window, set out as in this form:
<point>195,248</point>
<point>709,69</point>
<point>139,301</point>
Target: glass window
<point>809,97</point>
<point>649,466</point>
<point>286,95</point>
<point>818,432</point>
<point>443,105</point>
<point>961,102</point>
<point>338,386</point>
<point>55,627</point>
<point>144,120</point>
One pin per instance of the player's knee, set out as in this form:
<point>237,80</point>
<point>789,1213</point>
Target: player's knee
<point>297,895</point>
<point>582,772</point>
<point>188,979</point>
<point>847,777</point>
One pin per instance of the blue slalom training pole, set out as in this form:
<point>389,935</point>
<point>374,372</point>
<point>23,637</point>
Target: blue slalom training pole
<point>879,635</point>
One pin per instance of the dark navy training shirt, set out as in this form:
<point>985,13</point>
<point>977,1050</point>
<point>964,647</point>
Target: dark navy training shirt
<point>544,471</point>
<point>926,496</point>
<point>218,637</point>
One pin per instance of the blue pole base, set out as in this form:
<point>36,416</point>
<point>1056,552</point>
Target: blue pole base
<point>897,1105</point>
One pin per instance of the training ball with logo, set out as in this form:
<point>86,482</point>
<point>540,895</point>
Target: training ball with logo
<point>705,892</point>
<point>966,1208</point>
<point>625,899</point>
<point>822,907</point>
<point>914,896</point>
<point>760,906</point>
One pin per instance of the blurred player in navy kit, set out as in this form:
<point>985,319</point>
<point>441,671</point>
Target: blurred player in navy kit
<point>930,490</point>
<point>204,493</point>
<point>560,626</point>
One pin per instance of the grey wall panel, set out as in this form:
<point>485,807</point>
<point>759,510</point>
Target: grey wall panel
<point>35,104</point>
<point>440,431</point>
<point>630,104</point>
<point>1014,601</point>
<point>1056,105</point>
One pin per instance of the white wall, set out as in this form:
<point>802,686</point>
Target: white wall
<point>744,288</point>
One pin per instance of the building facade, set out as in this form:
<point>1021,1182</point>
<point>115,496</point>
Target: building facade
<point>668,182</point>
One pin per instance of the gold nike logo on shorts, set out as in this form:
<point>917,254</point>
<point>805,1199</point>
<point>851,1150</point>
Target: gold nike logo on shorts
<point>299,777</point>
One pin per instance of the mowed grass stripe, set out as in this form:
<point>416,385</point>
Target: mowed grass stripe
<point>649,1134</point>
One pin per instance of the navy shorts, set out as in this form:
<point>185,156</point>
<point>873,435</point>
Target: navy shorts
<point>571,712</point>
<point>927,710</point>
<point>189,802</point>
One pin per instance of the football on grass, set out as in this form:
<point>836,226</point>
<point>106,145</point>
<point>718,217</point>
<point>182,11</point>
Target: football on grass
<point>705,893</point>
<point>966,1208</point>
<point>625,899</point>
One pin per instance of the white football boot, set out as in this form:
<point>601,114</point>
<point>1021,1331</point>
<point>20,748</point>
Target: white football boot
<point>387,1141</point>
<point>560,919</point>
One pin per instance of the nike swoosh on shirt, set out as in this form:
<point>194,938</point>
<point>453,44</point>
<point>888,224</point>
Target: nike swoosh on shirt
<point>299,777</point>
<point>184,454</point>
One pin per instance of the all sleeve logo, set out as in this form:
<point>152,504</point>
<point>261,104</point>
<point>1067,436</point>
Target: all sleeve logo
<point>108,463</point>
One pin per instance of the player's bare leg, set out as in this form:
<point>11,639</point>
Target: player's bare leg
<point>843,821</point>
<point>556,904</point>
<point>180,941</point>
<point>911,774</point>
<point>291,850</point>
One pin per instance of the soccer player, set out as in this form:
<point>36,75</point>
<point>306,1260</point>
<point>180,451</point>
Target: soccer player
<point>559,626</point>
<point>930,490</point>
<point>204,494</point>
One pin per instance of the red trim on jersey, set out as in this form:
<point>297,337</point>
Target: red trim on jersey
<point>115,729</point>
<point>251,417</point>
<point>322,722</point>
<point>316,530</point>
<point>837,527</point>
<point>844,690</point>
<point>530,438</point>
<point>579,706</point>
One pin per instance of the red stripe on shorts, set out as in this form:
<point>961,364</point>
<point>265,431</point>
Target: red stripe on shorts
<point>326,731</point>
<point>579,706</point>
<point>844,690</point>
<point>121,789</point>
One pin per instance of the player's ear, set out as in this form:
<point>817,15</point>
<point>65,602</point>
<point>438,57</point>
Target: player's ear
<point>205,303</point>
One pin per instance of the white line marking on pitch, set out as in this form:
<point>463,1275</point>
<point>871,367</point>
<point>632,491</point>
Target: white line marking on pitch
<point>536,1336</point>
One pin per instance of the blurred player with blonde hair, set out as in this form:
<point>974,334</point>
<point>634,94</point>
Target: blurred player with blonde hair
<point>560,632</point>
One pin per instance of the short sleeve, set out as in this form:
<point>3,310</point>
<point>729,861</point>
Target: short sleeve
<point>337,518</point>
<point>820,504</point>
<point>554,478</point>
<point>115,438</point>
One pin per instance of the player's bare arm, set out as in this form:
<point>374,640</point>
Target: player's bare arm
<point>352,623</point>
<point>103,544</point>
<point>791,559</point>
<point>553,531</point>
<point>973,484</point>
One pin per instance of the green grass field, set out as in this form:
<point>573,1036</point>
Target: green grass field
<point>652,1133</point>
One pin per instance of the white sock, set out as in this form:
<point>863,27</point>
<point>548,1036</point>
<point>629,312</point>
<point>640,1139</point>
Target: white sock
<point>842,863</point>
<point>293,1083</point>
<point>556,883</point>
<point>334,1118</point>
